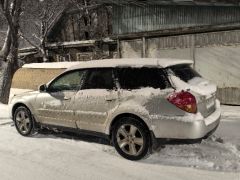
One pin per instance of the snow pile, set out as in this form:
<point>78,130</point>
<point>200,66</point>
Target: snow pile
<point>209,155</point>
<point>198,85</point>
<point>145,94</point>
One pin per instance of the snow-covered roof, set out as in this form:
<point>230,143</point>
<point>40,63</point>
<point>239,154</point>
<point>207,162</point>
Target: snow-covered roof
<point>52,65</point>
<point>131,62</point>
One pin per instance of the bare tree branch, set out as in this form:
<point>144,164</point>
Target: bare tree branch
<point>29,41</point>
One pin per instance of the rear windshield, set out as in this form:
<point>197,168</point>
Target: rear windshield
<point>184,72</point>
<point>136,78</point>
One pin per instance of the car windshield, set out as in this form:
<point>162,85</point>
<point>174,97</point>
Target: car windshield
<point>184,72</point>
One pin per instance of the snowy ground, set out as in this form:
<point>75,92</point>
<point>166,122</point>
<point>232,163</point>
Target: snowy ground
<point>60,157</point>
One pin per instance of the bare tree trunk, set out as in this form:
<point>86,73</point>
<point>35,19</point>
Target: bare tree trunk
<point>9,65</point>
<point>7,45</point>
<point>8,69</point>
<point>5,68</point>
<point>7,72</point>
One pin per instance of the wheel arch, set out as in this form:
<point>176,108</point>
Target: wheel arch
<point>119,116</point>
<point>17,105</point>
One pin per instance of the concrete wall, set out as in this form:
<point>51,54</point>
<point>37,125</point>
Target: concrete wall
<point>31,78</point>
<point>131,48</point>
<point>222,66</point>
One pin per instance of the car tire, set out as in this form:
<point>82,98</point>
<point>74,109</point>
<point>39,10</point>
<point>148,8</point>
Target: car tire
<point>131,138</point>
<point>23,121</point>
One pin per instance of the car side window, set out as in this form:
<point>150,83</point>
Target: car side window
<point>99,79</point>
<point>136,78</point>
<point>68,82</point>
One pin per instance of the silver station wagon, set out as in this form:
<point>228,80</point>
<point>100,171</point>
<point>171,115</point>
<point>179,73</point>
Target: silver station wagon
<point>133,102</point>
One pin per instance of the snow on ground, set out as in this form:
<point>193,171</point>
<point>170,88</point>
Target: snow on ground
<point>4,115</point>
<point>221,152</point>
<point>63,156</point>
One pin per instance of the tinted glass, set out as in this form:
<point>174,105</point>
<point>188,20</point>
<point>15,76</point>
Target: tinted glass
<point>136,78</point>
<point>70,81</point>
<point>99,79</point>
<point>184,72</point>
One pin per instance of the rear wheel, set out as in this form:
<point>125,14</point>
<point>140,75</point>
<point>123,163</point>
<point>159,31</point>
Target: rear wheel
<point>23,121</point>
<point>131,138</point>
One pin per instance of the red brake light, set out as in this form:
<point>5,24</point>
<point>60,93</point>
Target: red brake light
<point>184,100</point>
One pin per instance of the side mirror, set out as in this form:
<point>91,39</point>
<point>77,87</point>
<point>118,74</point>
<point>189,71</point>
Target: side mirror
<point>42,88</point>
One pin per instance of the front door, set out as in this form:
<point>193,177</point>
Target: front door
<point>97,97</point>
<point>55,106</point>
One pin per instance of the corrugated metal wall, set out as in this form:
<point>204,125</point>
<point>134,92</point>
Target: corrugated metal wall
<point>131,19</point>
<point>216,56</point>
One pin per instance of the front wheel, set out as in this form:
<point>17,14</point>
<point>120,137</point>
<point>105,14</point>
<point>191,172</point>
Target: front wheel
<point>23,121</point>
<point>131,138</point>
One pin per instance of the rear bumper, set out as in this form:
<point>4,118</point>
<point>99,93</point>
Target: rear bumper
<point>182,129</point>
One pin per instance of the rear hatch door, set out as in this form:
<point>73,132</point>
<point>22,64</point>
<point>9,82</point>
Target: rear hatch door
<point>184,77</point>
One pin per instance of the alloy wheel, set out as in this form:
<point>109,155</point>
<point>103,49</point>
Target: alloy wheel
<point>130,139</point>
<point>23,122</point>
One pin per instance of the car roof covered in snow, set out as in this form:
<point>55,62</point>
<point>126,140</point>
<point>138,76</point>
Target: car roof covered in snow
<point>51,65</point>
<point>133,62</point>
<point>125,62</point>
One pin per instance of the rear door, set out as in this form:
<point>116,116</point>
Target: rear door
<point>97,97</point>
<point>185,77</point>
<point>146,88</point>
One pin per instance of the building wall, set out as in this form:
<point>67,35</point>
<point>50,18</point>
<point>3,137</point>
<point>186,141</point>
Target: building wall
<point>77,26</point>
<point>28,78</point>
<point>132,19</point>
<point>216,56</point>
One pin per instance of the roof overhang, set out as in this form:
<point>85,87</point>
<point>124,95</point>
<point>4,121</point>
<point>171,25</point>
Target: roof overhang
<point>175,2</point>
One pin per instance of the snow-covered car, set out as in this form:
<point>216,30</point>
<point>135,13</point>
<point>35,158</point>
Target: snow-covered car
<point>132,102</point>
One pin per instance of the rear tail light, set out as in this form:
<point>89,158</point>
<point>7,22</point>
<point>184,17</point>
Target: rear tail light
<point>184,100</point>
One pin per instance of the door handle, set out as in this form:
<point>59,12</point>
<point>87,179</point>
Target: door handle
<point>66,98</point>
<point>110,99</point>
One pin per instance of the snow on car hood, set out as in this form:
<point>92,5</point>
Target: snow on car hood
<point>197,84</point>
<point>24,94</point>
<point>16,92</point>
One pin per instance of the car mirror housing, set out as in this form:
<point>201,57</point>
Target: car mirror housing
<point>42,88</point>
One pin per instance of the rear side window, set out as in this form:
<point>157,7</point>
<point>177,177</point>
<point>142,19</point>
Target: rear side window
<point>184,72</point>
<point>136,78</point>
<point>99,79</point>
